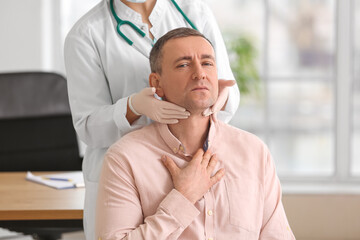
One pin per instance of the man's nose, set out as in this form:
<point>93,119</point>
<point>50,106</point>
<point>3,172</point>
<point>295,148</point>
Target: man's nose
<point>199,72</point>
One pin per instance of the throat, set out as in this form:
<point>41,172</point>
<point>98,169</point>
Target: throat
<point>191,132</point>
<point>149,26</point>
<point>144,9</point>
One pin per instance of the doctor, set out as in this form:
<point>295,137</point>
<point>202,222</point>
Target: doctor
<point>106,59</point>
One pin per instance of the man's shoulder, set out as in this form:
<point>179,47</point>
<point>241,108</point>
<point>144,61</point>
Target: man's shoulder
<point>136,139</point>
<point>238,134</point>
<point>139,136</point>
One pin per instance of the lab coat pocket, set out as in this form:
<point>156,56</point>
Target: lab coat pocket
<point>245,203</point>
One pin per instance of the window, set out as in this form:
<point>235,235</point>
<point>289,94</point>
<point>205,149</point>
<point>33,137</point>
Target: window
<point>300,87</point>
<point>356,90</point>
<point>306,102</point>
<point>296,108</point>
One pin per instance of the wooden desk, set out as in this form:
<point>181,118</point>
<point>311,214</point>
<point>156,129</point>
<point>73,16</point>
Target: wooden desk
<point>24,200</point>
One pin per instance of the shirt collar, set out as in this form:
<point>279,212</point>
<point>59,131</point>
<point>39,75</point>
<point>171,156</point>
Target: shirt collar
<point>157,12</point>
<point>126,13</point>
<point>176,146</point>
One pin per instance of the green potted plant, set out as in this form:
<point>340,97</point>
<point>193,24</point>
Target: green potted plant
<point>242,60</point>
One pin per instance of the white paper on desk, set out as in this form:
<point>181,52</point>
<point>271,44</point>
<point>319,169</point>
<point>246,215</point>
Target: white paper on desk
<point>76,180</point>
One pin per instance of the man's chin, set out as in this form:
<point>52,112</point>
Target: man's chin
<point>198,107</point>
<point>197,112</point>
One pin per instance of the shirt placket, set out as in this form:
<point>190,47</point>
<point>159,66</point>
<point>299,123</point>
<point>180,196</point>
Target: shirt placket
<point>209,216</point>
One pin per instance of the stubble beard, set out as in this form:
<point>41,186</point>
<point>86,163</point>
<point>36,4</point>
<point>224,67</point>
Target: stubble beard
<point>198,106</point>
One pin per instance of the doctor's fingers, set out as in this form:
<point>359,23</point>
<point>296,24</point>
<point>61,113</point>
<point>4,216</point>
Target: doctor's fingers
<point>175,115</point>
<point>225,83</point>
<point>165,105</point>
<point>207,112</point>
<point>219,104</point>
<point>221,100</point>
<point>168,121</point>
<point>169,111</point>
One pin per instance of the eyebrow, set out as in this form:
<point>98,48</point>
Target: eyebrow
<point>203,56</point>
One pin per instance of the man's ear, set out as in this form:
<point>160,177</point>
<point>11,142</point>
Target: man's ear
<point>154,81</point>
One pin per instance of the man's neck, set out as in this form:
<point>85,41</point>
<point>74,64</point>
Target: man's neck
<point>192,132</point>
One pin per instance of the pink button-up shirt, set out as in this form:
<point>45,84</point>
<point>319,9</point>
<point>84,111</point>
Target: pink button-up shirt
<point>137,199</point>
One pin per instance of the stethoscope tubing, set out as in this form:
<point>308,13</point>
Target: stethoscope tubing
<point>121,22</point>
<point>183,14</point>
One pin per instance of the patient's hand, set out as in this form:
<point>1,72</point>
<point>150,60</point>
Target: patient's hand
<point>195,179</point>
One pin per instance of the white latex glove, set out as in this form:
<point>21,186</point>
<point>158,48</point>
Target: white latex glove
<point>222,98</point>
<point>145,103</point>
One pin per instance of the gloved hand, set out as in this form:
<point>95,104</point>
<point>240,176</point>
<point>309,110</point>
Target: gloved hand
<point>145,103</point>
<point>222,98</point>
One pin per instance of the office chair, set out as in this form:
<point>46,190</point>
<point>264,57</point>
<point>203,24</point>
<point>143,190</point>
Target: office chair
<point>36,128</point>
<point>37,134</point>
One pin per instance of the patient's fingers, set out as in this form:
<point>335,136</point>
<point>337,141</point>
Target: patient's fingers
<point>206,158</point>
<point>212,163</point>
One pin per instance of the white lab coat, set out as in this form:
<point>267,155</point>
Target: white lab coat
<point>103,71</point>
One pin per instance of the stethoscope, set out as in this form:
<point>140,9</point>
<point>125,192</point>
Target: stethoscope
<point>121,22</point>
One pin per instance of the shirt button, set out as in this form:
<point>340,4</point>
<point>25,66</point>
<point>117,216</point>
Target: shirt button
<point>210,213</point>
<point>175,149</point>
<point>210,239</point>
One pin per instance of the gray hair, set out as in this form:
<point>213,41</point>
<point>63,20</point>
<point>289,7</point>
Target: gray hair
<point>156,52</point>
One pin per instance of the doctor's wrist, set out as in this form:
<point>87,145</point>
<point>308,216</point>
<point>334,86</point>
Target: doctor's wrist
<point>131,106</point>
<point>130,115</point>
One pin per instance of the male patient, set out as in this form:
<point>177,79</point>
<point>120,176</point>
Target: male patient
<point>197,179</point>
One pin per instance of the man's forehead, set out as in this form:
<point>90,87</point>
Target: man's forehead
<point>187,47</point>
<point>190,57</point>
